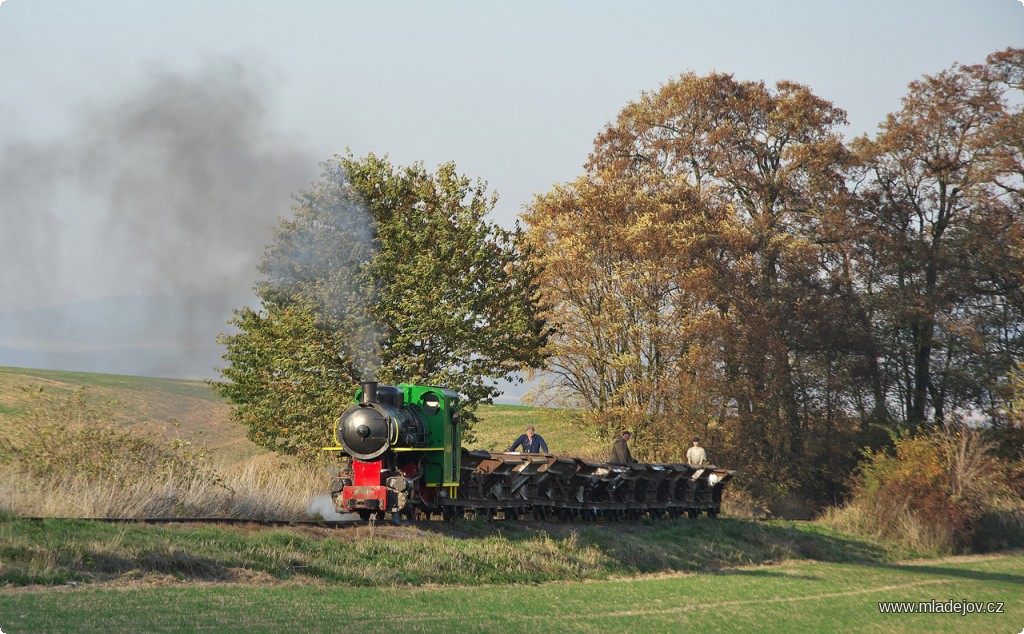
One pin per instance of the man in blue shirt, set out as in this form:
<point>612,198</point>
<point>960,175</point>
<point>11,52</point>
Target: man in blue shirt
<point>530,442</point>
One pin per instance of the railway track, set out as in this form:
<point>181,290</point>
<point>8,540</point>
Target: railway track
<point>333,524</point>
<point>206,520</point>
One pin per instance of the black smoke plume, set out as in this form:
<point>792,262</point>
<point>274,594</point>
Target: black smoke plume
<point>168,188</point>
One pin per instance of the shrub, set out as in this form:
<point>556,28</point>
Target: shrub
<point>941,491</point>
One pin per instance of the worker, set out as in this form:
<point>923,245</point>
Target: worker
<point>695,455</point>
<point>531,442</point>
<point>620,450</point>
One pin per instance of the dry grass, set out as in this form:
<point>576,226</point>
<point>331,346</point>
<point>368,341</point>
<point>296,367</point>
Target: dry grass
<point>132,446</point>
<point>741,504</point>
<point>72,459</point>
<point>143,403</point>
<point>252,490</point>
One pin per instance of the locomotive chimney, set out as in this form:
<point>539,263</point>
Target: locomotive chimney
<point>369,392</point>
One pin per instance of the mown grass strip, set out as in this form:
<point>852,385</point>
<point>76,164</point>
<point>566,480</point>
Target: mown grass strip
<point>794,597</point>
<point>54,552</point>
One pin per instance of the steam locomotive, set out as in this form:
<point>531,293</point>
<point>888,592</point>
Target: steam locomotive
<point>405,442</point>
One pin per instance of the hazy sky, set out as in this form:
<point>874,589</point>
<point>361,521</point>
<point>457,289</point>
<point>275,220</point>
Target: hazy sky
<point>147,146</point>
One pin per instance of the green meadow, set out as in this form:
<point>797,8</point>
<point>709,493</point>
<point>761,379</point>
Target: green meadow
<point>190,409</point>
<point>790,597</point>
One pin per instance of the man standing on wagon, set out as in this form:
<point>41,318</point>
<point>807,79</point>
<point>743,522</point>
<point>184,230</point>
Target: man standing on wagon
<point>530,442</point>
<point>620,450</point>
<point>695,455</point>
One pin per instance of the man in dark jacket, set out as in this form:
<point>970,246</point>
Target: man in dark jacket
<point>620,450</point>
<point>530,442</point>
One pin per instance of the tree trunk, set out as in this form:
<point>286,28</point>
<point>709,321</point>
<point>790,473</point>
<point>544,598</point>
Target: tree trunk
<point>922,332</point>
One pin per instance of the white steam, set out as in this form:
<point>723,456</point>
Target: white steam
<point>321,506</point>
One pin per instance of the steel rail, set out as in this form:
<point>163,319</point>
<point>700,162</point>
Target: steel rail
<point>204,520</point>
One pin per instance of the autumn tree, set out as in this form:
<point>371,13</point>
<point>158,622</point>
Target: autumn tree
<point>942,229</point>
<point>384,272</point>
<point>801,297</point>
<point>618,260</point>
<point>749,188</point>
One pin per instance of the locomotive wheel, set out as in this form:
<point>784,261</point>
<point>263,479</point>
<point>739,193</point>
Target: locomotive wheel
<point>692,513</point>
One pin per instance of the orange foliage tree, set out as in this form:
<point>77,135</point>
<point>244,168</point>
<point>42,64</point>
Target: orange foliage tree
<point>727,265</point>
<point>684,271</point>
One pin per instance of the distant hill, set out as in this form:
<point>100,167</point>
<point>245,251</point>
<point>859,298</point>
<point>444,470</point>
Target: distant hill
<point>156,335</point>
<point>153,335</point>
<point>151,403</point>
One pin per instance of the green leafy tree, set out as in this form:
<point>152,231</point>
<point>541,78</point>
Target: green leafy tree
<point>390,273</point>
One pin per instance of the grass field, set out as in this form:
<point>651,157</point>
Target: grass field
<point>150,403</point>
<point>724,575</point>
<point>54,552</point>
<point>793,597</point>
<point>146,403</point>
<point>653,576</point>
<point>500,425</point>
